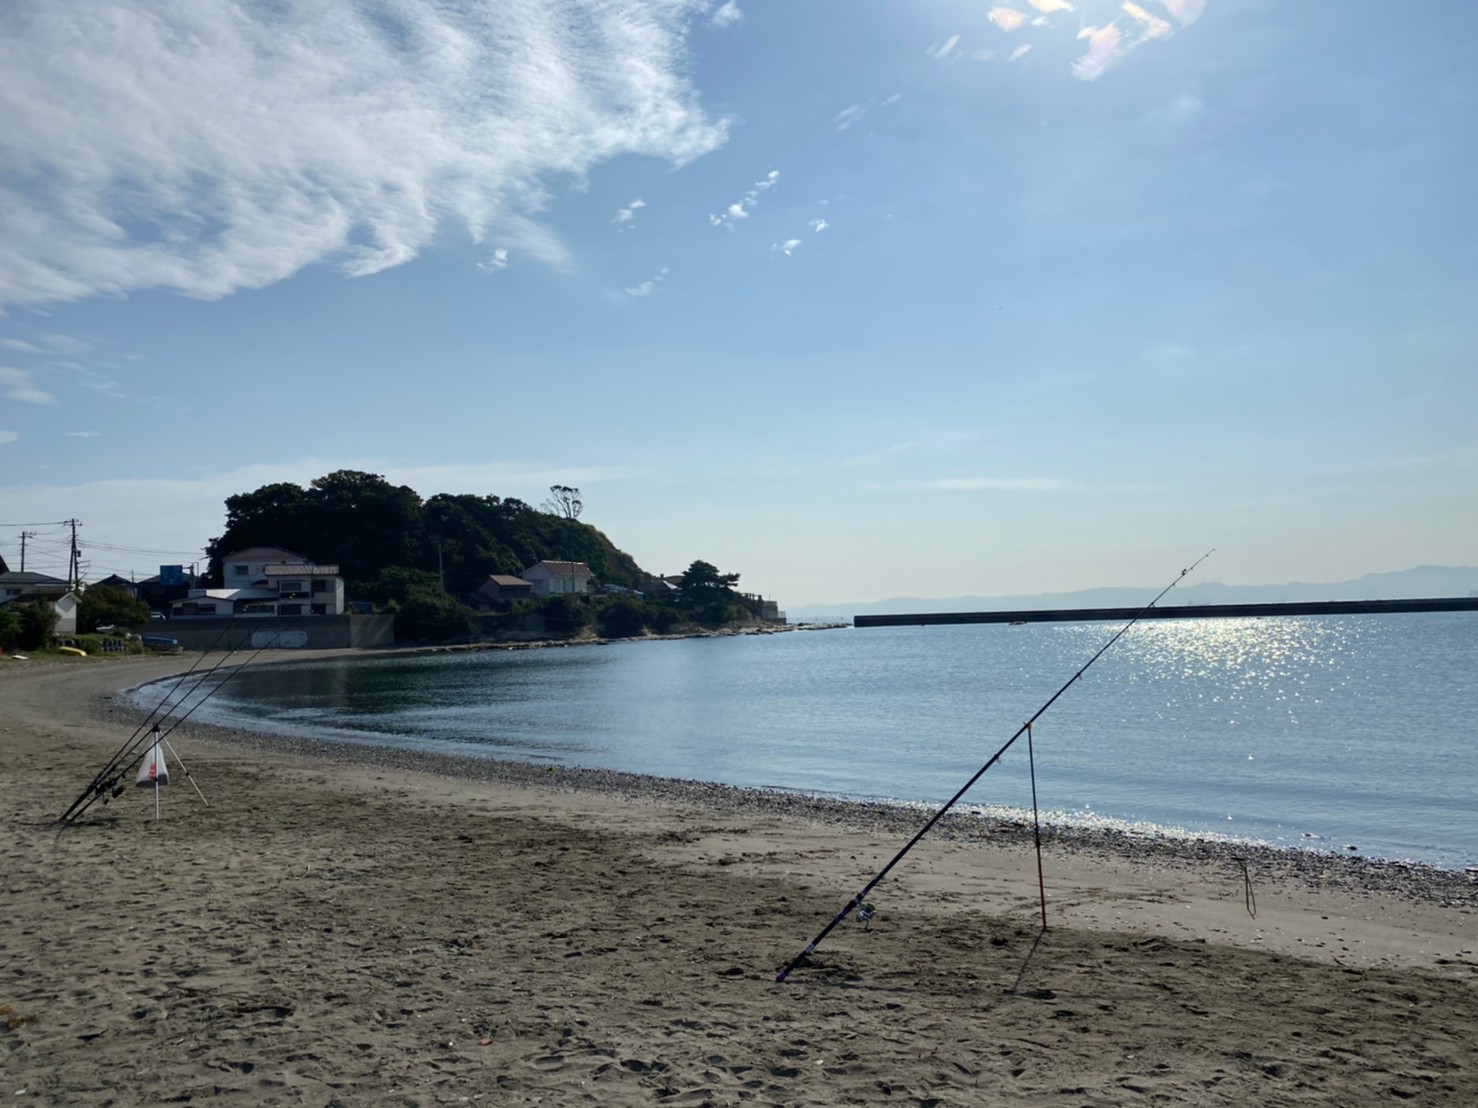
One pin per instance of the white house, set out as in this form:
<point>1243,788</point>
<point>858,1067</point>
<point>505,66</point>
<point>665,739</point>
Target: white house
<point>246,567</point>
<point>66,613</point>
<point>224,604</point>
<point>304,589</point>
<point>267,581</point>
<point>556,578</point>
<point>37,587</point>
<point>64,604</point>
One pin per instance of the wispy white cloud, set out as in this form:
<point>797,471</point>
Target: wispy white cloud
<point>93,377</point>
<point>940,51</point>
<point>528,236</point>
<point>982,55</point>
<point>1007,19</point>
<point>818,225</point>
<point>498,260</point>
<point>937,440</point>
<point>1109,45</point>
<point>628,213</point>
<point>1151,25</point>
<point>852,114</point>
<point>787,247</point>
<point>740,208</point>
<point>1103,50</point>
<point>18,385</point>
<point>726,16</point>
<point>64,344</point>
<point>981,484</point>
<point>8,437</point>
<point>256,140</point>
<point>1180,111</point>
<point>1185,12</point>
<point>646,288</point>
<point>20,347</point>
<point>82,434</point>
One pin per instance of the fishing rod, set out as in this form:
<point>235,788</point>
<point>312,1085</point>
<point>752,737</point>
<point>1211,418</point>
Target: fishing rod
<point>106,785</point>
<point>860,900</point>
<point>141,749</point>
<point>96,784</point>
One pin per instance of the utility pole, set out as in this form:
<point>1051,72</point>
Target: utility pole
<point>74,562</point>
<point>24,536</point>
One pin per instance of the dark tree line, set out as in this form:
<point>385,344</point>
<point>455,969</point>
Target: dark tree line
<point>369,527</point>
<point>395,549</point>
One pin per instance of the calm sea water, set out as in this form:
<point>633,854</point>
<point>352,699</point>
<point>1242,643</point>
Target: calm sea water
<point>1307,732</point>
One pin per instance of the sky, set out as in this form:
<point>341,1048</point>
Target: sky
<point>855,300</point>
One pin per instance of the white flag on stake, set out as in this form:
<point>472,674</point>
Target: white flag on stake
<point>154,770</point>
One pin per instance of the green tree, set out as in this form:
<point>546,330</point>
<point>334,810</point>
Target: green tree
<point>564,501</point>
<point>564,614</point>
<point>10,628</point>
<point>363,524</point>
<point>708,596</point>
<point>101,606</point>
<point>273,515</point>
<point>704,577</point>
<point>397,584</point>
<point>425,615</point>
<point>621,617</point>
<point>37,623</point>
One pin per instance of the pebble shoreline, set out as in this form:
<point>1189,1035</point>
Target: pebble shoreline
<point>1318,870</point>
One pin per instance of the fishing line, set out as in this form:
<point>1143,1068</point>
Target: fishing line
<point>123,751</point>
<point>135,750</point>
<point>1025,728</point>
<point>1031,758</point>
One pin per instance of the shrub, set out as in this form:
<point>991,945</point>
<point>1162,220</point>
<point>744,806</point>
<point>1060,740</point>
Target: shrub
<point>564,614</point>
<point>37,624</point>
<point>103,607</point>
<point>426,614</point>
<point>10,628</point>
<point>621,618</point>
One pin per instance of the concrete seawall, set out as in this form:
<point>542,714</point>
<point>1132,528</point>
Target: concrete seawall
<point>1181,611</point>
<point>281,633</point>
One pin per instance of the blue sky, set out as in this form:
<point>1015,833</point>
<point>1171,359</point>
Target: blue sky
<point>857,300</point>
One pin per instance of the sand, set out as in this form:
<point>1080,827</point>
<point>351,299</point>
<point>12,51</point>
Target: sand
<point>351,928</point>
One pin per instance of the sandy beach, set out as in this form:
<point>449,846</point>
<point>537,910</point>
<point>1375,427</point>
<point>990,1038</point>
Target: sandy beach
<point>345,926</point>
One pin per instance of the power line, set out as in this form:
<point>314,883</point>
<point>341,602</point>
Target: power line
<point>93,545</point>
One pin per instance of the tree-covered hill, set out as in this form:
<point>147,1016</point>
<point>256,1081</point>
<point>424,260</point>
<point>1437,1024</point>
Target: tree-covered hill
<point>368,526</point>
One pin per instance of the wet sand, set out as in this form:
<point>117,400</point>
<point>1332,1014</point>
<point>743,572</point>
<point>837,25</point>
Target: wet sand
<point>347,926</point>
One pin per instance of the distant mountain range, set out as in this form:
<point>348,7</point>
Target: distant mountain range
<point>1404,584</point>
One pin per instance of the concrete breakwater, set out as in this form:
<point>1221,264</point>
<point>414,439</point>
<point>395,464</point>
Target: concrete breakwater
<point>1181,611</point>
